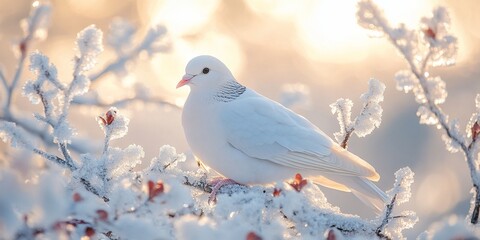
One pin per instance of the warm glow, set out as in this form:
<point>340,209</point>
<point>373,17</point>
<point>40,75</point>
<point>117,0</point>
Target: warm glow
<point>181,17</point>
<point>330,32</point>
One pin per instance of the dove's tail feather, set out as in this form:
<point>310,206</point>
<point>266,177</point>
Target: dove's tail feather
<point>362,188</point>
<point>368,193</point>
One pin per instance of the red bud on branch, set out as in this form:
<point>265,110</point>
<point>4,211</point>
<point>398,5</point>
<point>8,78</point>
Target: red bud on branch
<point>298,183</point>
<point>475,130</point>
<point>154,189</point>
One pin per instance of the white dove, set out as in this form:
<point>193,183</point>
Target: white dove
<point>251,139</point>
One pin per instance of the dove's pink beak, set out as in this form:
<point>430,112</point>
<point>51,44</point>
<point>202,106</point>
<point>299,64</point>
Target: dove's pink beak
<point>185,79</point>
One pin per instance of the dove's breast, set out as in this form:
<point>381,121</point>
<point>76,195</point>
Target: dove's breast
<point>200,120</point>
<point>207,140</point>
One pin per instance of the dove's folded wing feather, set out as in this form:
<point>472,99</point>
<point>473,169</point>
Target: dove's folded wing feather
<point>266,130</point>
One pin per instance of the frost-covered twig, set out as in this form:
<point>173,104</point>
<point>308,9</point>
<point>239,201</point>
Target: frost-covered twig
<point>121,40</point>
<point>34,28</point>
<point>431,45</point>
<point>369,117</point>
<point>95,101</point>
<point>88,46</point>
<point>399,194</point>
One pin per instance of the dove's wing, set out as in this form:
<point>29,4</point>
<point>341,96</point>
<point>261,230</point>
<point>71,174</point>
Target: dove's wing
<point>264,129</point>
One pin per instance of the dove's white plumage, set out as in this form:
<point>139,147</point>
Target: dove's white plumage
<point>251,139</point>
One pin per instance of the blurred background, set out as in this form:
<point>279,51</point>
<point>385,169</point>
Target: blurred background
<point>310,50</point>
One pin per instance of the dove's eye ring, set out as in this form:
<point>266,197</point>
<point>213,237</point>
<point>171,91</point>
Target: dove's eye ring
<point>205,70</point>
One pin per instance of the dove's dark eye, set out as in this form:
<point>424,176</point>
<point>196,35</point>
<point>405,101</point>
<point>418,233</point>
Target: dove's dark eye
<point>205,70</point>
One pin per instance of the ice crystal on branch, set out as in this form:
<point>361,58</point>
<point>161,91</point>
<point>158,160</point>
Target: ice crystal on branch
<point>370,17</point>
<point>404,179</point>
<point>35,26</point>
<point>45,72</point>
<point>474,123</point>
<point>393,225</point>
<point>343,109</point>
<point>89,46</point>
<point>443,46</point>
<point>406,81</point>
<point>371,115</point>
<point>369,118</point>
<point>453,146</point>
<point>9,132</point>
<point>437,48</point>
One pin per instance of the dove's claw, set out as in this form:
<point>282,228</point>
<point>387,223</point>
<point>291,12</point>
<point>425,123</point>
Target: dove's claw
<point>217,184</point>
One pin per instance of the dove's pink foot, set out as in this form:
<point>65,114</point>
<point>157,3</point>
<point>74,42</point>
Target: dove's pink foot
<point>217,184</point>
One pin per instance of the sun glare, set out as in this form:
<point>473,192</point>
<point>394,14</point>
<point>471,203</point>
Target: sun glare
<point>181,17</point>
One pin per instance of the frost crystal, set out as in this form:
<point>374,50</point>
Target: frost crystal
<point>369,118</point>
<point>370,17</point>
<point>44,70</point>
<point>121,161</point>
<point>426,116</point>
<point>402,186</point>
<point>475,118</point>
<point>343,109</point>
<point>371,115</point>
<point>437,91</point>
<point>436,34</point>
<point>9,132</point>
<point>63,133</point>
<point>89,46</point>
<point>406,81</point>
<point>400,193</point>
<point>167,157</point>
<point>453,146</point>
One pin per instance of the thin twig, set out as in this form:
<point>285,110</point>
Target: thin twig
<point>202,185</point>
<point>388,212</point>
<point>56,159</point>
<point>347,137</point>
<point>4,80</point>
<point>16,78</point>
<point>122,102</point>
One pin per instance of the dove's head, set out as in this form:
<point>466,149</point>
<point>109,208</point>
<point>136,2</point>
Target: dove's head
<point>205,72</point>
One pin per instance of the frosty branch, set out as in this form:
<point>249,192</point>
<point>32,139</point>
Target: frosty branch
<point>431,45</point>
<point>127,51</point>
<point>369,117</point>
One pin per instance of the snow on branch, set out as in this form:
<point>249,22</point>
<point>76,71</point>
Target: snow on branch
<point>430,45</point>
<point>369,118</point>
<point>391,226</point>
<point>57,96</point>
